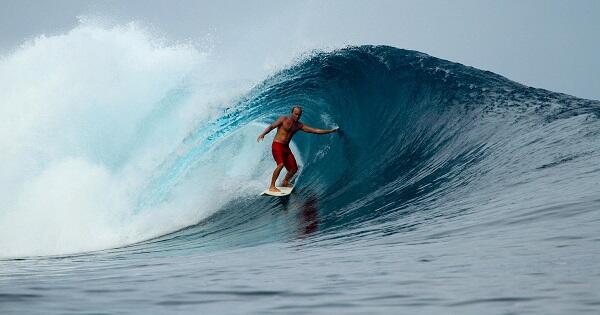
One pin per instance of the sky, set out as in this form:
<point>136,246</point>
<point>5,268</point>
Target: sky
<point>547,44</point>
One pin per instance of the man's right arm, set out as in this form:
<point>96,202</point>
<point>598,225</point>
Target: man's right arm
<point>269,128</point>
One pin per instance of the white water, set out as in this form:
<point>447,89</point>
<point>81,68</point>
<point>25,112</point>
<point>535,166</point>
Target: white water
<point>87,117</point>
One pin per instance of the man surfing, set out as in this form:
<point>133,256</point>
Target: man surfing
<point>286,128</point>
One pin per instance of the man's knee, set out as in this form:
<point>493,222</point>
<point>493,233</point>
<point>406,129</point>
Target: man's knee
<point>280,166</point>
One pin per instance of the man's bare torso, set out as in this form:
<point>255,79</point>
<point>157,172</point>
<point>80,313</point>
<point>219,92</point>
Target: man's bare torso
<point>286,131</point>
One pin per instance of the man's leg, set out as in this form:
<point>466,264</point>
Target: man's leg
<point>274,178</point>
<point>292,167</point>
<point>288,177</point>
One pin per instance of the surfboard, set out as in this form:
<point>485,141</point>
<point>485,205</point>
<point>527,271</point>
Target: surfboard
<point>284,192</point>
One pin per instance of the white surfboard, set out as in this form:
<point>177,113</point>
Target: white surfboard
<point>284,192</point>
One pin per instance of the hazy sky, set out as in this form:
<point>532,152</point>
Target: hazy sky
<point>543,43</point>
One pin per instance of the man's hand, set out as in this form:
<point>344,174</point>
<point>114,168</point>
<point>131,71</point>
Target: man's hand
<point>274,125</point>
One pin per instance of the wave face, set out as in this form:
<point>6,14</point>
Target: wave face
<point>424,140</point>
<point>425,143</point>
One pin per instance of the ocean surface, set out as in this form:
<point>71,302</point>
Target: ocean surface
<point>131,180</point>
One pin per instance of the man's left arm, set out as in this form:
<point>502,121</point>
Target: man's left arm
<point>309,129</point>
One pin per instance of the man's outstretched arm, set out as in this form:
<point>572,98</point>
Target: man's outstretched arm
<point>269,128</point>
<point>308,129</point>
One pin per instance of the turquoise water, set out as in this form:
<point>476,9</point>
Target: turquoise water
<point>451,190</point>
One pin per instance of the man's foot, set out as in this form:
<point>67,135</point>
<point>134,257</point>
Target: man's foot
<point>274,189</point>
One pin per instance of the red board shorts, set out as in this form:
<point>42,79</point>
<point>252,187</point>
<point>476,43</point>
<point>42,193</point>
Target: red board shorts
<point>283,154</point>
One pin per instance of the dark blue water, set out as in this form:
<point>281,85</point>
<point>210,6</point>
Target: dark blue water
<point>451,190</point>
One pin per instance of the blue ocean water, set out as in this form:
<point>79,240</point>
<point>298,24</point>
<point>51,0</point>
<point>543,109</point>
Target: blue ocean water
<point>451,190</point>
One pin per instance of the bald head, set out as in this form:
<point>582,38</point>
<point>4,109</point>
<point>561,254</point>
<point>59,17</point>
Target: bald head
<point>296,113</point>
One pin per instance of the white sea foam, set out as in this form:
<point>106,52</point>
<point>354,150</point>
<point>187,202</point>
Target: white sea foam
<point>87,118</point>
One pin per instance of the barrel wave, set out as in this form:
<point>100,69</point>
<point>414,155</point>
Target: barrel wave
<point>424,142</point>
<point>445,187</point>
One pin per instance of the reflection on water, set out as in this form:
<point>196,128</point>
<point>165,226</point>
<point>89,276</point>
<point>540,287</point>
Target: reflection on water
<point>305,206</point>
<point>308,217</point>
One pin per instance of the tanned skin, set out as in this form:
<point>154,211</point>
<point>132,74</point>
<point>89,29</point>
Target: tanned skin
<point>287,126</point>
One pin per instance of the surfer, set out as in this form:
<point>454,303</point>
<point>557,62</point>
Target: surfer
<point>286,128</point>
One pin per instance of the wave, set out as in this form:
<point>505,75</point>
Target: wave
<point>143,145</point>
<point>425,141</point>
